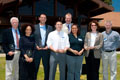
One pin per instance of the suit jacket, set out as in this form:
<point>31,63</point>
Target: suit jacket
<point>98,44</point>
<point>37,33</point>
<point>7,39</point>
<point>65,28</point>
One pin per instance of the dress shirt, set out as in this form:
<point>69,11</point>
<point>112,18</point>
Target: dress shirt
<point>93,38</point>
<point>14,36</point>
<point>58,40</point>
<point>69,27</point>
<point>111,40</point>
<point>43,33</point>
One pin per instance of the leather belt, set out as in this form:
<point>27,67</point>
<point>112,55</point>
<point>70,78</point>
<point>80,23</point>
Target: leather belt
<point>109,50</point>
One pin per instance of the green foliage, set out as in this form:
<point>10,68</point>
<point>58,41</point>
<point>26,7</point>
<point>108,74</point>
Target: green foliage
<point>108,1</point>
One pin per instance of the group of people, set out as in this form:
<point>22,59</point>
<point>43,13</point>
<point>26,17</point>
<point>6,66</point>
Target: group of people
<point>25,46</point>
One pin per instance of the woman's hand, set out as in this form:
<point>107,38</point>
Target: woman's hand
<point>75,52</point>
<point>80,52</point>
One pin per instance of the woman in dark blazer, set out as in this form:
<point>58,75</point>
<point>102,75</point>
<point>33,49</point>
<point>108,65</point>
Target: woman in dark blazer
<point>74,54</point>
<point>92,45</point>
<point>27,48</point>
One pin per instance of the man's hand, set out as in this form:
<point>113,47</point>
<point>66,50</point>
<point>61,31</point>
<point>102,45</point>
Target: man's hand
<point>38,48</point>
<point>61,51</point>
<point>10,53</point>
<point>45,48</point>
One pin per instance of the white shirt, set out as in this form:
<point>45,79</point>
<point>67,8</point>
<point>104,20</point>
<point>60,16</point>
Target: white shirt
<point>58,40</point>
<point>14,36</point>
<point>93,38</point>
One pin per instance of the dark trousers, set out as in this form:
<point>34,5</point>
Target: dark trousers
<point>44,55</point>
<point>92,66</point>
<point>26,70</point>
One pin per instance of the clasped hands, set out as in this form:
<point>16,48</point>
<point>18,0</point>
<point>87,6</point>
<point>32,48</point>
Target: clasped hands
<point>78,52</point>
<point>38,48</point>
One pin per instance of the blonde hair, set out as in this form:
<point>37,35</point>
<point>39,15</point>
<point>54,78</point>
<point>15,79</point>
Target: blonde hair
<point>69,14</point>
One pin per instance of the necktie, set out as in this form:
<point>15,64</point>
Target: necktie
<point>17,39</point>
<point>68,28</point>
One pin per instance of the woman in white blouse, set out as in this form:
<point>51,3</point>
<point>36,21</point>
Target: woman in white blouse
<point>92,45</point>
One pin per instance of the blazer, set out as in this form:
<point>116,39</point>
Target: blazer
<point>98,44</point>
<point>65,28</point>
<point>37,33</point>
<point>7,39</point>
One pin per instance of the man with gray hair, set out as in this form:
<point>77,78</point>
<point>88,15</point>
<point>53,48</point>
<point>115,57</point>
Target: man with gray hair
<point>111,40</point>
<point>10,39</point>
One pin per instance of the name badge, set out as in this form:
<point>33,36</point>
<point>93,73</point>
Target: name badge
<point>105,39</point>
<point>80,39</point>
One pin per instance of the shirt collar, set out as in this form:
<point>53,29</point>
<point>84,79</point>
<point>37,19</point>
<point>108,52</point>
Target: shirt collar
<point>42,26</point>
<point>14,29</point>
<point>109,32</point>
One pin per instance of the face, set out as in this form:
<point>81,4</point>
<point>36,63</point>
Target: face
<point>14,23</point>
<point>93,27</point>
<point>28,30</point>
<point>58,26</point>
<point>68,19</point>
<point>74,29</point>
<point>108,25</point>
<point>42,19</point>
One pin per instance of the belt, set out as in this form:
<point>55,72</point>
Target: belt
<point>17,49</point>
<point>109,50</point>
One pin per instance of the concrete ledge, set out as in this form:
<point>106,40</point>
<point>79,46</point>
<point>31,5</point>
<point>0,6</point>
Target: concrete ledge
<point>2,55</point>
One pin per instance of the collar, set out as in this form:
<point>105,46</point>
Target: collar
<point>41,26</point>
<point>109,32</point>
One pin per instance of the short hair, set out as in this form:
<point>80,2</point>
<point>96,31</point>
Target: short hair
<point>57,22</point>
<point>96,23</point>
<point>13,18</point>
<point>24,26</point>
<point>108,21</point>
<point>68,14</point>
<point>78,32</point>
<point>43,14</point>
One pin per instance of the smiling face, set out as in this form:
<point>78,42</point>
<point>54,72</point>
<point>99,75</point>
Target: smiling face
<point>58,26</point>
<point>93,27</point>
<point>108,25</point>
<point>42,19</point>
<point>74,29</point>
<point>28,31</point>
<point>14,23</point>
<point>68,18</point>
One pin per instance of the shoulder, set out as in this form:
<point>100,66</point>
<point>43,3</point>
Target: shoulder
<point>52,33</point>
<point>87,33</point>
<point>36,25</point>
<point>115,32</point>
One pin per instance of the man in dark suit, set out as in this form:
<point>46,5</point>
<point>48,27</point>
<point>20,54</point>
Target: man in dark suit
<point>41,33</point>
<point>11,48</point>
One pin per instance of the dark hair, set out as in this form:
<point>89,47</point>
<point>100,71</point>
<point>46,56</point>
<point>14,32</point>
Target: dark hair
<point>57,22</point>
<point>78,32</point>
<point>96,23</point>
<point>24,26</point>
<point>43,14</point>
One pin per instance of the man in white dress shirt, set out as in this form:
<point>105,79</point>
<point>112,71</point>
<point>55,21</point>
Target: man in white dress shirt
<point>67,25</point>
<point>58,43</point>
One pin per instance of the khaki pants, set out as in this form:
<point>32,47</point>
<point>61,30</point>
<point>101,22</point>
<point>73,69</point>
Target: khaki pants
<point>12,67</point>
<point>109,58</point>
